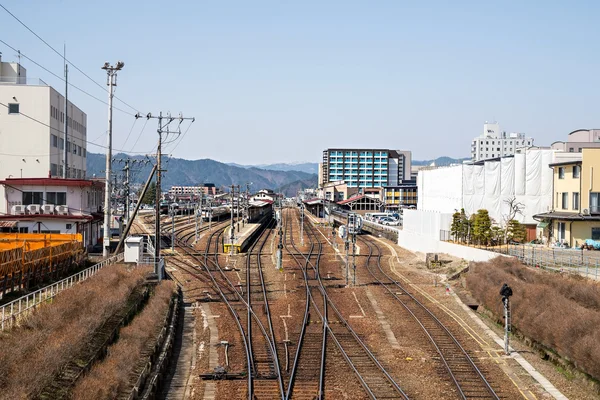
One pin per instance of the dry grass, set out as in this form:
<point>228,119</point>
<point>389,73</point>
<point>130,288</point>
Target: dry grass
<point>112,376</point>
<point>560,312</point>
<point>32,354</point>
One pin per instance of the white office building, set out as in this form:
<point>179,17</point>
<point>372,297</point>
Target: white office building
<point>32,128</point>
<point>494,143</point>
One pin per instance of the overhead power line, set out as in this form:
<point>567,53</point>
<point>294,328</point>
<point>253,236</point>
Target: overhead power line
<point>63,57</point>
<point>87,141</point>
<point>61,78</point>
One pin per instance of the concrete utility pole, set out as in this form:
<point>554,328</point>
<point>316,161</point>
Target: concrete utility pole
<point>280,244</point>
<point>301,224</point>
<point>65,173</point>
<point>163,127</point>
<point>231,226</point>
<point>172,208</point>
<point>111,81</point>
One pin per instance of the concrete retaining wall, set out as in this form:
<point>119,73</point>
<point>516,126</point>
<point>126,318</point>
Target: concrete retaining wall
<point>423,244</point>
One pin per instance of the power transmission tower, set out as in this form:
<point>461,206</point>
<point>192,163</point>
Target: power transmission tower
<point>164,123</point>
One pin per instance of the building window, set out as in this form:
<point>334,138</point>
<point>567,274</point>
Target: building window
<point>32,198</point>
<point>595,233</point>
<point>561,173</point>
<point>54,169</point>
<point>68,226</point>
<point>54,140</point>
<point>565,200</point>
<point>58,198</point>
<point>61,143</point>
<point>575,200</point>
<point>576,171</point>
<point>13,108</point>
<point>571,150</point>
<point>561,231</point>
<point>580,149</point>
<point>595,202</point>
<point>68,147</point>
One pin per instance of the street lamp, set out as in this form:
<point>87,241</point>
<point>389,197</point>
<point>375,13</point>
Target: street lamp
<point>111,81</point>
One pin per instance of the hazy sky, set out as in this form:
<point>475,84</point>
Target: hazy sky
<point>279,81</point>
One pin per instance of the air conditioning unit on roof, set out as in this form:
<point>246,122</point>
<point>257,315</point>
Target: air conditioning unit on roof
<point>33,208</point>
<point>48,209</point>
<point>62,210</point>
<point>586,211</point>
<point>18,209</point>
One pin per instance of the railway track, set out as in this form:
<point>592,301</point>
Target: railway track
<point>306,380</point>
<point>466,376</point>
<point>262,365</point>
<point>268,382</point>
<point>375,380</point>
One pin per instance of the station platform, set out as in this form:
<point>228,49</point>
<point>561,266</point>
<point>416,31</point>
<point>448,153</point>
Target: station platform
<point>244,235</point>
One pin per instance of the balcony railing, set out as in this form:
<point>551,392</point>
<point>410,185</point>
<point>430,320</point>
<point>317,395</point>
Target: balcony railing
<point>594,209</point>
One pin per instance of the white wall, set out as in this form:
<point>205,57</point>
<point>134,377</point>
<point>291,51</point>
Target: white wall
<point>525,176</point>
<point>426,223</point>
<point>25,144</point>
<point>424,244</point>
<point>440,189</point>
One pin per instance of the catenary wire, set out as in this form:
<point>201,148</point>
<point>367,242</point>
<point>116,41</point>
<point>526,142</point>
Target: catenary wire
<point>63,79</point>
<point>63,57</point>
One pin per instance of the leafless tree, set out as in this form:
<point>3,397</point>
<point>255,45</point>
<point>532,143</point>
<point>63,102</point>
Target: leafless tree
<point>514,208</point>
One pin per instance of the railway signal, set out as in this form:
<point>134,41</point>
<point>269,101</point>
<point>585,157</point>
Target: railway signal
<point>506,292</point>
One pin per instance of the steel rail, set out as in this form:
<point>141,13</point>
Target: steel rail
<point>445,330</point>
<point>248,307</point>
<point>264,292</point>
<point>305,319</point>
<point>185,248</point>
<point>360,342</point>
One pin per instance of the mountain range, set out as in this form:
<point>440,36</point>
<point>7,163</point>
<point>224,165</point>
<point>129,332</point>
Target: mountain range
<point>313,168</point>
<point>287,178</point>
<point>180,172</point>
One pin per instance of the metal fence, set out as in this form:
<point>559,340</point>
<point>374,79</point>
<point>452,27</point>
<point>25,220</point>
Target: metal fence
<point>571,261</point>
<point>10,312</point>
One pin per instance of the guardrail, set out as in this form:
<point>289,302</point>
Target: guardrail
<point>12,310</point>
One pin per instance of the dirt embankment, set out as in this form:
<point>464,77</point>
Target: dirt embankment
<point>559,312</point>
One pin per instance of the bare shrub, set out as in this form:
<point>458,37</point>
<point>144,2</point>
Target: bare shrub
<point>33,353</point>
<point>560,312</point>
<point>114,374</point>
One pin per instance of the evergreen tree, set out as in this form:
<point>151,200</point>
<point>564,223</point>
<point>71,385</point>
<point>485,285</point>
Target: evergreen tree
<point>515,231</point>
<point>482,225</point>
<point>150,196</point>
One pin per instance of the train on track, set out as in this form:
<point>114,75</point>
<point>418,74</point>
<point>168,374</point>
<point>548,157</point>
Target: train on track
<point>218,213</point>
<point>354,223</point>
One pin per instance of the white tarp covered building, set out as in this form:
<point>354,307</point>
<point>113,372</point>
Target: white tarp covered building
<point>487,185</point>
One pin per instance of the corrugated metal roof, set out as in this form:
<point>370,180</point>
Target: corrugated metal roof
<point>8,224</point>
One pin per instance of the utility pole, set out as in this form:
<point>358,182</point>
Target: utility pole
<point>231,226</point>
<point>172,229</point>
<point>111,81</point>
<point>237,205</point>
<point>302,224</point>
<point>163,127</point>
<point>280,244</point>
<point>65,174</point>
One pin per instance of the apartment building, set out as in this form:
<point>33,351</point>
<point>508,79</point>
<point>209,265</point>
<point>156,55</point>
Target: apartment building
<point>32,139</point>
<point>188,191</point>
<point>493,143</point>
<point>401,196</point>
<point>365,168</point>
<point>578,140</point>
<point>575,214</point>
